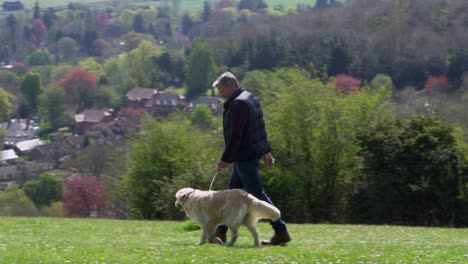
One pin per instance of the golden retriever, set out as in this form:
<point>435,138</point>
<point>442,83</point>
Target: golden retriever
<point>232,208</point>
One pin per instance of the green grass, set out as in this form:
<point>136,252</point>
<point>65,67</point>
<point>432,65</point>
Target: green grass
<point>48,240</point>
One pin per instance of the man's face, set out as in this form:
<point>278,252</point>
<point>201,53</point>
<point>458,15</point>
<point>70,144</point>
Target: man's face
<point>225,90</point>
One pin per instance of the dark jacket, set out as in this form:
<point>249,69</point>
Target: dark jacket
<point>245,136</point>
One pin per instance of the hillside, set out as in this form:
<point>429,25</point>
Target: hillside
<point>48,240</point>
<point>185,5</point>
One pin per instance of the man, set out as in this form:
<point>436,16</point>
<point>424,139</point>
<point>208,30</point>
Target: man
<point>246,143</point>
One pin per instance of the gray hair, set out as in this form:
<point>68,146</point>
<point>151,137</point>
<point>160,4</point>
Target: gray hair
<point>226,78</point>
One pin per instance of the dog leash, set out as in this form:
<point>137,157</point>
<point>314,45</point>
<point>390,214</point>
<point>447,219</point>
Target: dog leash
<point>212,181</point>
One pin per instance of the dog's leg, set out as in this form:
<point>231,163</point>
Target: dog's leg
<point>234,235</point>
<point>252,227</point>
<point>203,237</point>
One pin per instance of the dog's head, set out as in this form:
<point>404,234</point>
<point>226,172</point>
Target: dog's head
<point>182,195</point>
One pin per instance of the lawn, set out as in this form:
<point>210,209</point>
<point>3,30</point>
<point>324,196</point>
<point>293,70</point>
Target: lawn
<point>48,240</point>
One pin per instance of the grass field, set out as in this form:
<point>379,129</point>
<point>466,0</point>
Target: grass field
<point>48,240</point>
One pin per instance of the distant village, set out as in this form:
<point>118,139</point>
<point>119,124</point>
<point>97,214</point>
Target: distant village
<point>25,156</point>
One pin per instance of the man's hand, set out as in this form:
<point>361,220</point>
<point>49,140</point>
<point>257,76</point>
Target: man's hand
<point>268,159</point>
<point>222,165</point>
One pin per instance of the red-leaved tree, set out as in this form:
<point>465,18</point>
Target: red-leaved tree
<point>437,83</point>
<point>84,196</point>
<point>39,31</point>
<point>80,88</point>
<point>103,20</point>
<point>346,83</point>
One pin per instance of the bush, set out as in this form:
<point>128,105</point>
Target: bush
<point>414,173</point>
<point>13,202</point>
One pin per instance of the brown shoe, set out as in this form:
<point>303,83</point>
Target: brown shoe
<point>220,236</point>
<point>279,238</point>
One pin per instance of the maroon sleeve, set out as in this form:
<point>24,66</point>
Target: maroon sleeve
<point>239,114</point>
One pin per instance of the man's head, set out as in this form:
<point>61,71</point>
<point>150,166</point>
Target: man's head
<point>227,84</point>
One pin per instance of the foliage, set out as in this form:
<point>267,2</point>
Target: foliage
<point>346,83</point>
<point>202,116</point>
<point>313,130</point>
<point>80,88</point>
<point>126,242</point>
<point>85,196</point>
<point>39,31</point>
<point>5,105</point>
<point>44,190</point>
<point>414,173</point>
<point>13,202</point>
<point>31,89</point>
<point>169,155</point>
<point>253,5</point>
<point>67,48</point>
<point>39,58</point>
<point>200,69</point>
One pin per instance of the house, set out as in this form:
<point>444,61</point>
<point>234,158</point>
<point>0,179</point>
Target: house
<point>89,118</point>
<point>132,111</point>
<point>102,134</point>
<point>20,173</point>
<point>51,153</point>
<point>214,103</point>
<point>164,103</point>
<point>8,156</point>
<point>75,142</point>
<point>18,130</point>
<point>139,96</point>
<point>24,147</point>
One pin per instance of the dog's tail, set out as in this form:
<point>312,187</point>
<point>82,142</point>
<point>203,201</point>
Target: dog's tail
<point>264,210</point>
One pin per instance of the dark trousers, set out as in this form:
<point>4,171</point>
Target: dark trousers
<point>245,176</point>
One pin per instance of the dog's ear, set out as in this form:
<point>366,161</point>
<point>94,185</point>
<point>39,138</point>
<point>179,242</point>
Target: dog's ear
<point>185,196</point>
<point>182,195</point>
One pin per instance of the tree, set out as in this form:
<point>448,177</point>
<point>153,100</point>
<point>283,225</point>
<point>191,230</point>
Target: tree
<point>52,108</point>
<point>45,190</point>
<point>206,15</point>
<point>313,132</point>
<point>168,155</point>
<point>67,48</point>
<point>200,69</point>
<point>138,23</point>
<point>202,116</point>
<point>85,196</point>
<point>5,105</point>
<point>187,23</point>
<point>101,47</point>
<point>39,31</point>
<point>413,174</point>
<point>253,5</point>
<point>103,20</point>
<point>31,88</point>
<point>80,88</point>
<point>13,202</point>
<point>141,63</point>
<point>12,26</point>
<point>88,41</point>
<point>37,11</point>
<point>346,83</point>
<point>40,58</point>
<point>49,17</point>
